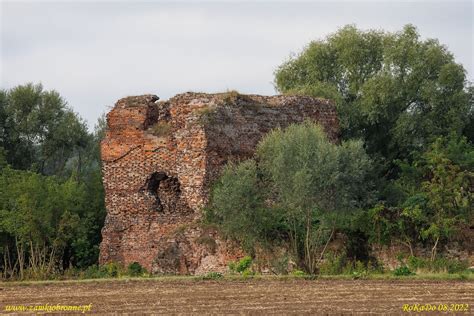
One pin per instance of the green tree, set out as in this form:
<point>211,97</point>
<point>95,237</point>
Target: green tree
<point>315,181</point>
<point>432,198</point>
<point>395,91</point>
<point>469,128</point>
<point>237,206</point>
<point>449,195</point>
<point>38,131</point>
<point>299,190</point>
<point>35,211</point>
<point>51,193</point>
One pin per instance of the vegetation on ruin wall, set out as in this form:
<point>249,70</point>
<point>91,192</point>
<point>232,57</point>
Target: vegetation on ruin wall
<point>221,113</point>
<point>408,101</point>
<point>161,129</point>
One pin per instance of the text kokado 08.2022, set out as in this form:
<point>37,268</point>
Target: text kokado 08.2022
<point>435,308</point>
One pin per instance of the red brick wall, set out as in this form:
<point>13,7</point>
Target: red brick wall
<point>203,132</point>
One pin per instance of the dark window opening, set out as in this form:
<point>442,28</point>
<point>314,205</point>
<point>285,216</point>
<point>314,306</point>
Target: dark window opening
<point>165,189</point>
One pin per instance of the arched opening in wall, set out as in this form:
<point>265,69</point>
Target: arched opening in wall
<point>165,189</point>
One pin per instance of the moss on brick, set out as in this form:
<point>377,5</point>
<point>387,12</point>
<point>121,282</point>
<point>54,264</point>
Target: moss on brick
<point>161,129</point>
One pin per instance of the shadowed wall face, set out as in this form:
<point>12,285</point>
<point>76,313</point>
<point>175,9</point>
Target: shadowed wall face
<point>159,161</point>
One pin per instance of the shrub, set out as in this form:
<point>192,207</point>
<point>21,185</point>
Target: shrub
<point>135,269</point>
<point>334,264</point>
<point>403,271</point>
<point>360,267</point>
<point>340,264</point>
<point>242,266</point>
<point>112,269</point>
<point>416,263</point>
<point>438,265</point>
<point>247,273</point>
<point>374,267</point>
<point>458,266</point>
<point>232,265</point>
<point>94,272</point>
<point>450,265</point>
<point>280,264</point>
<point>71,273</point>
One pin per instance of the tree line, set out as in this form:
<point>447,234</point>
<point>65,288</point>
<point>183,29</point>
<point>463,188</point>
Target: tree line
<point>51,194</point>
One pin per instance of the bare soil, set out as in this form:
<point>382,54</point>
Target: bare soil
<point>242,296</point>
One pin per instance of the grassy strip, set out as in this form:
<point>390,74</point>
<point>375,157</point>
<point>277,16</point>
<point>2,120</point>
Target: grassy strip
<point>237,277</point>
<point>421,276</point>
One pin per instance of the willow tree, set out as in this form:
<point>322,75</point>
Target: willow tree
<point>298,190</point>
<point>395,91</point>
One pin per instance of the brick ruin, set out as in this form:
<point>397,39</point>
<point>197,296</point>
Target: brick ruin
<point>160,159</point>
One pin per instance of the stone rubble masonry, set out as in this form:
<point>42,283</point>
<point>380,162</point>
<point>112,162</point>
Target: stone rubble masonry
<point>160,159</point>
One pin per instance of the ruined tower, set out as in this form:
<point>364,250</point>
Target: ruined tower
<point>159,161</point>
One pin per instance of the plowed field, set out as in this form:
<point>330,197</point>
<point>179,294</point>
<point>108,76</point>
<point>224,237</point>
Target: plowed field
<point>242,297</point>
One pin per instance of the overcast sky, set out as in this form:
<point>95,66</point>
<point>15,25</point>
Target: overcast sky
<point>95,52</point>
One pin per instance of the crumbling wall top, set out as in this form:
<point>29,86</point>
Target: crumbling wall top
<point>133,101</point>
